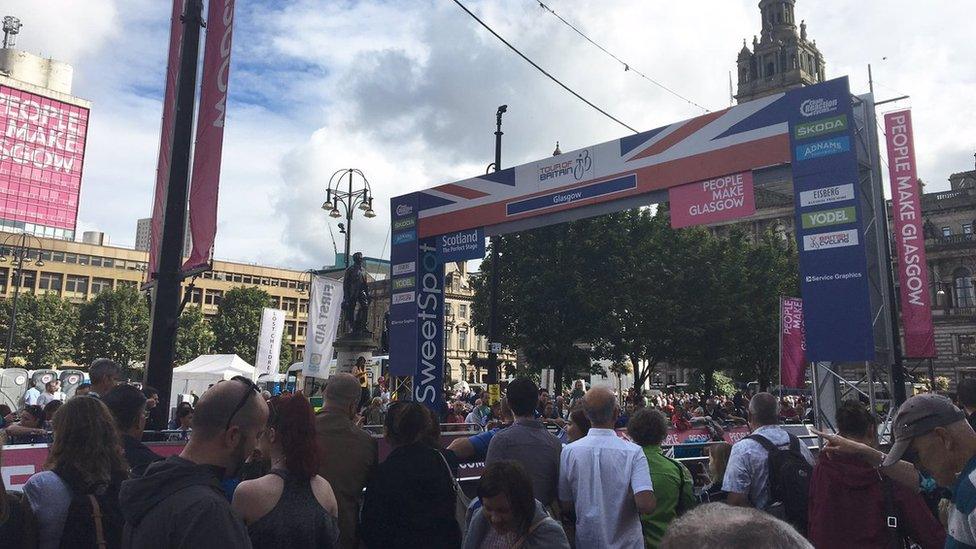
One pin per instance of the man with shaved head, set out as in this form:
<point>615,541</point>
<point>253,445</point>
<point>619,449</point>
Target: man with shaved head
<point>180,502</point>
<point>605,480</point>
<point>348,452</point>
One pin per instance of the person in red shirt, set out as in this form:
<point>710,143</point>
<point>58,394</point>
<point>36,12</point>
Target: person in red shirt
<point>850,502</point>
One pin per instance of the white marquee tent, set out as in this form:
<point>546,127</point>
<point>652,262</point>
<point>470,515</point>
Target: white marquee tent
<point>205,370</point>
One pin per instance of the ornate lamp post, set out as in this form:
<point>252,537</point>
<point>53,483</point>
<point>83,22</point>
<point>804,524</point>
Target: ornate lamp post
<point>21,250</point>
<point>349,199</point>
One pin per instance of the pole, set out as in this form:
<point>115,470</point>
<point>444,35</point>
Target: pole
<point>493,347</point>
<point>166,303</point>
<point>931,376</point>
<point>13,311</point>
<point>349,210</point>
<point>870,80</point>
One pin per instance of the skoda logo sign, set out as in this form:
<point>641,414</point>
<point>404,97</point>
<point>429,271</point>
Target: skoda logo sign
<point>404,209</point>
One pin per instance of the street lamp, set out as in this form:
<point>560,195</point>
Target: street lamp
<point>21,248</point>
<point>348,199</point>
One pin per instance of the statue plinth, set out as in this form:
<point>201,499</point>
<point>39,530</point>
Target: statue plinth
<point>352,346</point>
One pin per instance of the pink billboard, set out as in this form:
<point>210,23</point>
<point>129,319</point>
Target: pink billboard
<point>712,201</point>
<point>906,208</point>
<point>42,151</point>
<point>792,343</point>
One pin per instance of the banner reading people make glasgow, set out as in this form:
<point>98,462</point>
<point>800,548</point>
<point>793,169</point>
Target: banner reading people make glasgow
<point>829,224</point>
<point>906,209</point>
<point>792,343</point>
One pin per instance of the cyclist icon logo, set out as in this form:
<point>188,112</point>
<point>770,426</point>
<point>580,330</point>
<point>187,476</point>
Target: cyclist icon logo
<point>583,164</point>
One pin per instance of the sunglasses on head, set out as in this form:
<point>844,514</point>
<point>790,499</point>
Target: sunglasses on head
<point>247,394</point>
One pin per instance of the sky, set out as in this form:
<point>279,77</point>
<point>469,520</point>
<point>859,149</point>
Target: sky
<point>406,91</point>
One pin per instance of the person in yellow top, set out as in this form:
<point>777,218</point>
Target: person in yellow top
<point>360,372</point>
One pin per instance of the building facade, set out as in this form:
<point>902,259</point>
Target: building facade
<point>144,230</point>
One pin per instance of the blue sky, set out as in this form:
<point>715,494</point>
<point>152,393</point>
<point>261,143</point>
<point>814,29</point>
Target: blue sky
<point>406,90</point>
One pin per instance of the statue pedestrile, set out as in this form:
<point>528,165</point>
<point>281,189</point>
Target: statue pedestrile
<point>350,347</point>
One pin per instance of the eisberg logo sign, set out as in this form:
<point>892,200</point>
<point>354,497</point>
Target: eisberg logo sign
<point>818,106</point>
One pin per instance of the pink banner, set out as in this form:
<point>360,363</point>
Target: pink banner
<point>166,136</point>
<point>712,201</point>
<point>792,343</point>
<point>906,208</point>
<point>210,133</point>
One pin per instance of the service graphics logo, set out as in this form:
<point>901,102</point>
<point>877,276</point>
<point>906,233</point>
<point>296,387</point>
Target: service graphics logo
<point>578,167</point>
<point>824,126</point>
<point>826,241</point>
<point>818,106</point>
<point>826,218</point>
<point>404,209</point>
<point>820,149</point>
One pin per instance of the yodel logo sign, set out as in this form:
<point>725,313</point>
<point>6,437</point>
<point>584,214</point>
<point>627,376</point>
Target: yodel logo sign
<point>824,218</point>
<point>825,126</point>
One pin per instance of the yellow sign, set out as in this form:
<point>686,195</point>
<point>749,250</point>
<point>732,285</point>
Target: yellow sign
<point>494,394</point>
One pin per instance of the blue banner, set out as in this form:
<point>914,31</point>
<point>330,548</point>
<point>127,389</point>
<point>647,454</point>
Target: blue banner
<point>462,245</point>
<point>833,261</point>
<point>572,195</point>
<point>403,296</point>
<point>428,381</point>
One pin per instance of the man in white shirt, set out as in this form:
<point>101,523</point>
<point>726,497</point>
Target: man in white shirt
<point>605,480</point>
<point>52,391</point>
<point>31,396</point>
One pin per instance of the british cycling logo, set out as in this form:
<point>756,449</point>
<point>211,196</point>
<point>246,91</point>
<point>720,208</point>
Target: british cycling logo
<point>579,168</point>
<point>818,106</point>
<point>404,209</point>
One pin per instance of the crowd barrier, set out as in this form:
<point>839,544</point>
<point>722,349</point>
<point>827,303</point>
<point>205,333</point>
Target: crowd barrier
<point>20,461</point>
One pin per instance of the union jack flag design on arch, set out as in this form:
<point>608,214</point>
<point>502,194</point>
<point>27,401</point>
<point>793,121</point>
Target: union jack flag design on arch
<point>738,139</point>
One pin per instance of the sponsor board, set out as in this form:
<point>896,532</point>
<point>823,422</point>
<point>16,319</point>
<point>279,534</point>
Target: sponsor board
<point>820,149</point>
<point>403,283</point>
<point>824,218</point>
<point>403,297</point>
<point>569,196</point>
<point>404,237</point>
<point>462,245</point>
<point>404,268</point>
<point>827,195</point>
<point>428,379</point>
<point>826,241</point>
<point>818,106</point>
<point>405,223</point>
<point>403,210</point>
<point>712,201</point>
<point>817,128</point>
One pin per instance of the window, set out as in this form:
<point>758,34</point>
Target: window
<point>77,284</point>
<point>70,258</point>
<point>946,231</point>
<point>303,306</point>
<point>290,305</point>
<point>57,256</point>
<point>301,329</point>
<point>108,262</point>
<point>965,292</point>
<point>213,297</point>
<point>84,259</point>
<point>967,228</point>
<point>448,309</point>
<point>127,284</point>
<point>51,282</point>
<point>967,346</point>
<point>3,280</point>
<point>463,310</point>
<point>96,261</point>
<point>196,295</point>
<point>99,285</point>
<point>463,340</point>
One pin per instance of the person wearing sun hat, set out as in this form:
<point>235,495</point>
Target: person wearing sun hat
<point>932,436</point>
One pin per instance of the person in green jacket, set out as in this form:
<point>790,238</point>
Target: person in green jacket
<point>673,483</point>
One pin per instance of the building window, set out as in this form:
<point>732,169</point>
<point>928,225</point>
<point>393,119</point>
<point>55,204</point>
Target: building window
<point>967,346</point>
<point>76,284</point>
<point>964,290</point>
<point>448,309</point>
<point>127,284</point>
<point>463,340</point>
<point>96,261</point>
<point>3,280</point>
<point>946,231</point>
<point>51,282</point>
<point>302,329</point>
<point>57,256</point>
<point>967,228</point>
<point>99,285</point>
<point>290,305</point>
<point>108,262</point>
<point>463,310</point>
<point>213,297</point>
<point>303,306</point>
<point>70,258</point>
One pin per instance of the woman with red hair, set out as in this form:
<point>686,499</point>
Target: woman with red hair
<point>292,506</point>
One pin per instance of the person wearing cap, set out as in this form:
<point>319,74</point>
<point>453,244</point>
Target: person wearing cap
<point>932,435</point>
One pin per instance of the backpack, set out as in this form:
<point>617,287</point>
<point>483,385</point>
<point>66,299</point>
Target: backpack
<point>789,481</point>
<point>94,519</point>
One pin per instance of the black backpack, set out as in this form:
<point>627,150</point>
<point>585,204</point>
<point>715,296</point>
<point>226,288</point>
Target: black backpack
<point>94,519</point>
<point>789,481</point>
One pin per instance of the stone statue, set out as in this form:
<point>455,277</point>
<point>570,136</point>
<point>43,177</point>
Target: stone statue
<point>355,298</point>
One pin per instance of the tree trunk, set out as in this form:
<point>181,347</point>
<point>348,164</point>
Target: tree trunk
<point>558,371</point>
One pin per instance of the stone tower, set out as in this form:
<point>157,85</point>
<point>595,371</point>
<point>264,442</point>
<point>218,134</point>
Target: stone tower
<point>780,59</point>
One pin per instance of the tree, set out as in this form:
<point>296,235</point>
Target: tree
<point>238,322</point>
<point>46,327</point>
<point>115,325</point>
<point>194,337</point>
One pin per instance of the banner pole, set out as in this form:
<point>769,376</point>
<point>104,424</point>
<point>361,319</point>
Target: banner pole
<point>781,347</point>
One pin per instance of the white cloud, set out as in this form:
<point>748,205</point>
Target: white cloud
<point>407,92</point>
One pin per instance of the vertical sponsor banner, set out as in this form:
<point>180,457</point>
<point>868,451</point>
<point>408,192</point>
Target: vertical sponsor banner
<point>210,132</point>
<point>792,343</point>
<point>269,341</point>
<point>165,137</point>
<point>324,308</point>
<point>403,278</point>
<point>428,380</point>
<point>906,208</point>
<point>829,228</point>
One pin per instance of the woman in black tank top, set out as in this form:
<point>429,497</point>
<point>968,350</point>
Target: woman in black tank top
<point>292,506</point>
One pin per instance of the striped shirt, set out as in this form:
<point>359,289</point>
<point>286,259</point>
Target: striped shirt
<point>962,516</point>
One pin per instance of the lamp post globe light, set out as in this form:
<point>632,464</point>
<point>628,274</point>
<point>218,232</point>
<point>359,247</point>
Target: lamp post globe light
<point>22,251</point>
<point>349,199</point>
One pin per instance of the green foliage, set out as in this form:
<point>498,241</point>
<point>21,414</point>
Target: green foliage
<point>115,325</point>
<point>238,322</point>
<point>45,332</point>
<point>194,337</point>
<point>720,383</point>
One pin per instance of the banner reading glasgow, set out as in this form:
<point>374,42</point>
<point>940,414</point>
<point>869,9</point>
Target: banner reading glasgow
<point>833,263</point>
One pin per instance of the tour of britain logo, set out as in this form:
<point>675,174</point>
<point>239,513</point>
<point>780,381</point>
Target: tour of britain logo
<point>818,106</point>
<point>579,167</point>
<point>404,209</point>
